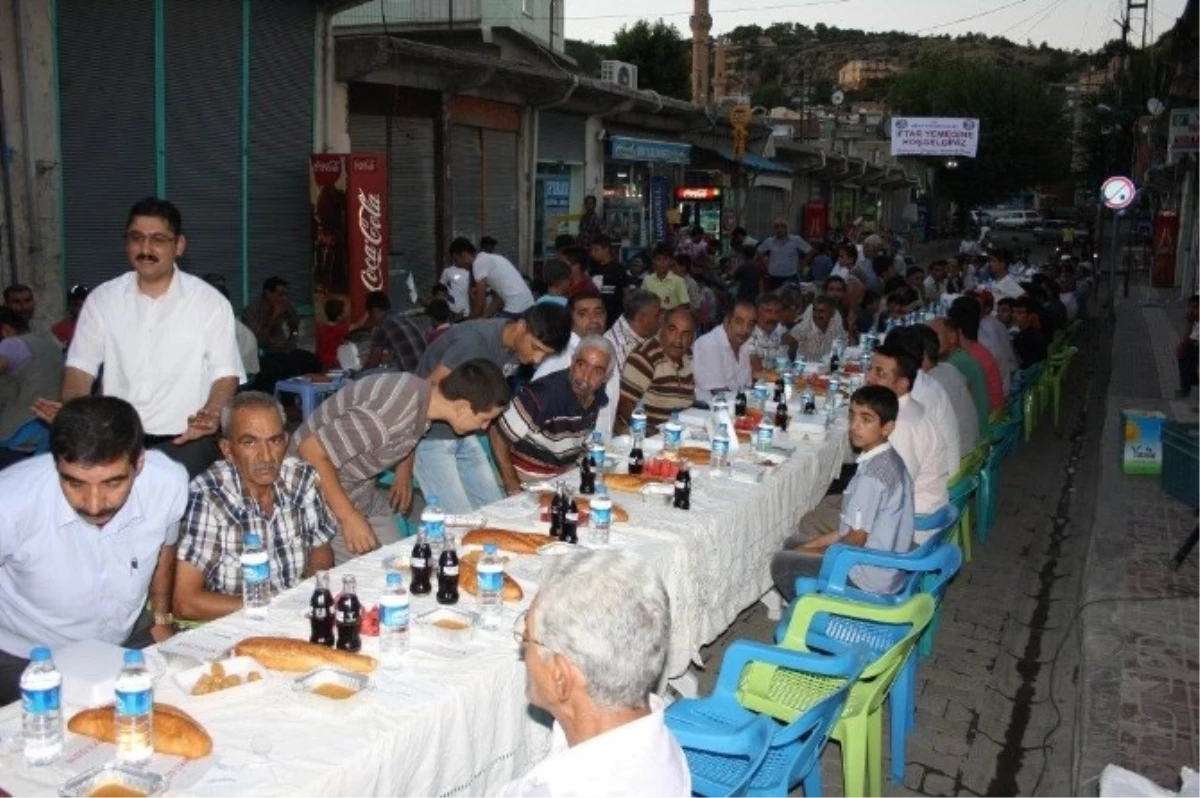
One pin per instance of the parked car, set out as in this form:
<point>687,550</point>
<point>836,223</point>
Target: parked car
<point>1014,219</point>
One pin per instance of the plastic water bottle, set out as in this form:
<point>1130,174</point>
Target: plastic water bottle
<point>637,421</point>
<point>720,451</point>
<point>256,577</point>
<point>134,724</point>
<point>672,435</point>
<point>41,709</point>
<point>433,518</point>
<point>597,451</point>
<point>491,582</point>
<point>393,621</point>
<point>601,521</point>
<point>764,435</point>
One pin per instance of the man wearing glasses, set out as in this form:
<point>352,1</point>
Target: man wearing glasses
<point>165,338</point>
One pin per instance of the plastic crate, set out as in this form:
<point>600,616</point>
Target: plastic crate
<point>1181,462</point>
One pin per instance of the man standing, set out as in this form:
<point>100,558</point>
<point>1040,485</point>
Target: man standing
<point>722,356</point>
<point>450,464</point>
<point>256,487</point>
<point>86,531</point>
<point>30,366</point>
<point>165,338</point>
<point>495,274</point>
<point>591,228</point>
<point>374,424</point>
<point>611,278</point>
<point>546,428</point>
<point>643,314</point>
<point>659,374</point>
<point>664,283</point>
<point>587,318</point>
<point>784,253</point>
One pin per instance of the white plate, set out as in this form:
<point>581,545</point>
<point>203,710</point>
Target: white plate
<point>234,666</point>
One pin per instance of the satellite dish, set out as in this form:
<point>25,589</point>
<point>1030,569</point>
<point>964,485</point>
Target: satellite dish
<point>838,98</point>
<point>1155,106</point>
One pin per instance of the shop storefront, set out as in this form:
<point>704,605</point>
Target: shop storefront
<point>559,188</point>
<point>639,177</point>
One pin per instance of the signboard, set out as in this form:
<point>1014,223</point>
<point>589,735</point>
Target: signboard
<point>1117,192</point>
<point>936,136</point>
<point>556,205</point>
<point>1183,136</point>
<point>684,193</point>
<point>658,209</point>
<point>624,148</point>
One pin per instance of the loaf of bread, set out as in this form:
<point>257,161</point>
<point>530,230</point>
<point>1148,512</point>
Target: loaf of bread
<point>176,733</point>
<point>468,578</point>
<point>584,503</point>
<point>516,542</point>
<point>627,483</point>
<point>299,656</point>
<point>696,455</point>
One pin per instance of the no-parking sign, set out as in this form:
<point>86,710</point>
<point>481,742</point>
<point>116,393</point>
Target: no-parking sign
<point>1117,192</point>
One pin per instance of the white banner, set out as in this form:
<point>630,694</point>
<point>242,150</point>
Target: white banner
<point>937,136</point>
<point>1184,133</point>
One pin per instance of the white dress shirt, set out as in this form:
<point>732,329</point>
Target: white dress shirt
<point>160,355</point>
<point>458,283</point>
<point>959,391</point>
<point>994,338</point>
<point>920,446</point>
<point>716,367</point>
<point>1007,286</point>
<point>638,758</point>
<point>936,402</point>
<point>63,580</point>
<point>560,361</point>
<point>624,340</point>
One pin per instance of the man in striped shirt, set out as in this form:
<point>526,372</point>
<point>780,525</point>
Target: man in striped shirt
<point>659,374</point>
<point>545,430</point>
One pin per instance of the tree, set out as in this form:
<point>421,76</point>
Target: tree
<point>662,57</point>
<point>771,96</point>
<point>821,92</point>
<point>1024,133</point>
<point>587,54</point>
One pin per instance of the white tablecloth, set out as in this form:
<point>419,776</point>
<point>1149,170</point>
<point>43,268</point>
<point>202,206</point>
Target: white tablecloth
<point>457,722</point>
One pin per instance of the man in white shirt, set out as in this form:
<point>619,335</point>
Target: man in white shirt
<point>643,313</point>
<point>993,334</point>
<point>930,393</point>
<point>1005,285</point>
<point>87,531</point>
<point>166,339</point>
<point>721,357</point>
<point>595,643</point>
<point>957,389</point>
<point>588,317</point>
<point>915,438</point>
<point>458,288</point>
<point>495,273</point>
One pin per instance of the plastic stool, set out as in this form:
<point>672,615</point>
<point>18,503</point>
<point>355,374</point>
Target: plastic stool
<point>311,393</point>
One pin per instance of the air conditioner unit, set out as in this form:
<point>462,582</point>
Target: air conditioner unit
<point>620,73</point>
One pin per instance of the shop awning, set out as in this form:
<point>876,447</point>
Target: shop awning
<point>751,161</point>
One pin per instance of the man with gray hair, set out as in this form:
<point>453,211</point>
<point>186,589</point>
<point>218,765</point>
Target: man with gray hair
<point>595,643</point>
<point>256,487</point>
<point>545,430</point>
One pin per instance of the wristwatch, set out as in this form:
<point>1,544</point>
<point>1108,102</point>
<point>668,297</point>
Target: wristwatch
<point>164,619</point>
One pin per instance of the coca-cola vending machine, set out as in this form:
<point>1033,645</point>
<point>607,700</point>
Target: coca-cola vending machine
<point>348,201</point>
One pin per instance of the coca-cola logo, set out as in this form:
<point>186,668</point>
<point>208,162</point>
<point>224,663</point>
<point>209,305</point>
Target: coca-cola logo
<point>370,224</point>
<point>327,166</point>
<point>327,170</point>
<point>362,164</point>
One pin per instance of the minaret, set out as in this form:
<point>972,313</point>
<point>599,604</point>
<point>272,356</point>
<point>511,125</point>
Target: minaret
<point>701,23</point>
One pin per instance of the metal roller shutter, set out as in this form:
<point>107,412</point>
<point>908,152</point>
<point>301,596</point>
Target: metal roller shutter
<point>500,181</point>
<point>561,137</point>
<point>106,119</point>
<point>412,193</point>
<point>282,46</point>
<point>763,207</point>
<point>204,117</point>
<point>466,170</point>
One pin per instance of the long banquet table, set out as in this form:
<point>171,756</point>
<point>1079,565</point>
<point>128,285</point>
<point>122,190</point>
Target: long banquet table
<point>454,720</point>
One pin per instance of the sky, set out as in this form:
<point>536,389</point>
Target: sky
<point>1067,24</point>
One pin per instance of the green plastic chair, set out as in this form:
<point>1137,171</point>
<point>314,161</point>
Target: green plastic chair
<point>822,623</point>
<point>962,487</point>
<point>1053,378</point>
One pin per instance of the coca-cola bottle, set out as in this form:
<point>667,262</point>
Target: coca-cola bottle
<point>421,564</point>
<point>447,592</point>
<point>587,476</point>
<point>570,525</point>
<point>739,403</point>
<point>781,416</point>
<point>683,487</point>
<point>349,616</point>
<point>321,612</point>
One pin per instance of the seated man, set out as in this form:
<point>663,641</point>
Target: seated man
<point>815,335</point>
<point>595,643</point>
<point>275,323</point>
<point>257,486</point>
<point>588,317</point>
<point>31,366</point>
<point>930,394</point>
<point>659,374</point>
<point>664,282</point>
<point>396,340</point>
<point>64,328</point>
<point>722,356</point>
<point>767,339</point>
<point>373,424</point>
<point>453,465</point>
<point>1029,343</point>
<point>86,531</point>
<point>546,428</point>
<point>875,511</point>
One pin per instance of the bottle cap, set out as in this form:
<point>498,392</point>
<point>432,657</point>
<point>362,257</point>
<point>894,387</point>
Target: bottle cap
<point>39,654</point>
<point>252,539</point>
<point>601,489</point>
<point>393,579</point>
<point>490,548</point>
<point>134,657</point>
<point>431,500</point>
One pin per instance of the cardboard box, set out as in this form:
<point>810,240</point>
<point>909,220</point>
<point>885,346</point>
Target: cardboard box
<point>1142,441</point>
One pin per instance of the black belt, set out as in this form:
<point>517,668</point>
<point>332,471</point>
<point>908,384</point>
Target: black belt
<point>156,440</point>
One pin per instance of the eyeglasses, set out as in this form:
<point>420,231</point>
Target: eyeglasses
<point>519,635</point>
<point>156,239</point>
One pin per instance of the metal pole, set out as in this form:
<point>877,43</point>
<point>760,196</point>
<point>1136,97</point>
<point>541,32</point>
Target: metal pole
<point>1112,264</point>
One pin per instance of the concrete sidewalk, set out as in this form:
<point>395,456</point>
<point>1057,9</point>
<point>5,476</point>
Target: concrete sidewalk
<point>1139,687</point>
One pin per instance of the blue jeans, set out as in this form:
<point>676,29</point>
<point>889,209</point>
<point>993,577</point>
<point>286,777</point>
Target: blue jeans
<point>458,472</point>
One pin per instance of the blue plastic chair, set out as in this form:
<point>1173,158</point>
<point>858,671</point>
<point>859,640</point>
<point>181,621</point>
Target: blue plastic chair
<point>33,437</point>
<point>732,750</point>
<point>928,570</point>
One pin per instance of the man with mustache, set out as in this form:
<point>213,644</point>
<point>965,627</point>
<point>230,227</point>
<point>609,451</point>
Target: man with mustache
<point>256,487</point>
<point>86,531</point>
<point>166,339</point>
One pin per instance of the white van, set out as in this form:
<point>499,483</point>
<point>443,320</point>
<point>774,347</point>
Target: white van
<point>1006,219</point>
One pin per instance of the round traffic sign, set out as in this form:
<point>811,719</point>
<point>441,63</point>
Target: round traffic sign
<point>1117,192</point>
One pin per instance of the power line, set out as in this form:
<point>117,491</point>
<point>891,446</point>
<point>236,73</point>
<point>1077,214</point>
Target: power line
<point>1023,20</point>
<point>971,17</point>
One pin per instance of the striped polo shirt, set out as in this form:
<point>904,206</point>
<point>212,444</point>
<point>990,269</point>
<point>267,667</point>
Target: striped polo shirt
<point>546,426</point>
<point>660,383</point>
